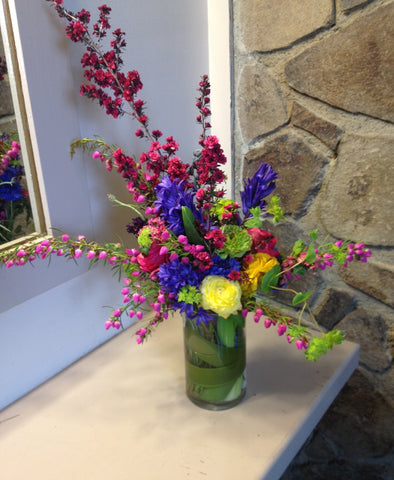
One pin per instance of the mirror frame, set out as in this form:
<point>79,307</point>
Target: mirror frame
<point>14,66</point>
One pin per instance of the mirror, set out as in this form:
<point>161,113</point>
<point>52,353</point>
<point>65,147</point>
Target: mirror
<point>20,203</point>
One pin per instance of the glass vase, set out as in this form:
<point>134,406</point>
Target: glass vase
<point>215,361</point>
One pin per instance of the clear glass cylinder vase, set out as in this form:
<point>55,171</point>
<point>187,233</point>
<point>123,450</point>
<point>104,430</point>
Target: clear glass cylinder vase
<point>215,361</point>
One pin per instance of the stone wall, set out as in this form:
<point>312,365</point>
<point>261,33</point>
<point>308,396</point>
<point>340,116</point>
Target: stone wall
<point>313,96</point>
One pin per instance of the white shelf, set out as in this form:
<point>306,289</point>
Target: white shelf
<point>121,412</point>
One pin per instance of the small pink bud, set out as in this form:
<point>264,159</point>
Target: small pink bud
<point>161,299</point>
<point>281,329</point>
<point>117,312</point>
<point>108,324</point>
<point>65,238</point>
<point>91,254</point>
<point>102,255</point>
<point>163,251</point>
<point>112,260</point>
<point>131,313</point>
<point>173,256</point>
<point>183,239</point>
<point>140,199</point>
<point>136,297</point>
<point>244,312</point>
<point>139,315</point>
<point>156,307</point>
<point>78,253</point>
<point>267,322</point>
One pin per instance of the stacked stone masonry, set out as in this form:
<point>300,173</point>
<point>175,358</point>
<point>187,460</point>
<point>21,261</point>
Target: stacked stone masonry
<point>313,97</point>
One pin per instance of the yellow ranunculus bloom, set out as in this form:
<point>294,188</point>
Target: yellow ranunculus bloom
<point>220,295</point>
<point>261,264</point>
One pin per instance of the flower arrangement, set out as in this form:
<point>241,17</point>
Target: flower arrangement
<point>198,253</point>
<point>15,209</point>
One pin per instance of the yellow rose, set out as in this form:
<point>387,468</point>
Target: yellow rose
<point>261,264</point>
<point>220,295</point>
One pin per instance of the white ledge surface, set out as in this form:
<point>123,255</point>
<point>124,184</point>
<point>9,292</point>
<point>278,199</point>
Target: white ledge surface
<point>121,412</point>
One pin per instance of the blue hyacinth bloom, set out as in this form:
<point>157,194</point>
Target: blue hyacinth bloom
<point>10,189</point>
<point>171,196</point>
<point>223,266</point>
<point>175,275</point>
<point>258,187</point>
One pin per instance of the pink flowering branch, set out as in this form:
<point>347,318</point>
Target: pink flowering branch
<point>102,69</point>
<point>121,259</point>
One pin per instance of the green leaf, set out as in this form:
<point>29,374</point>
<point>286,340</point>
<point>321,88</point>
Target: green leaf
<point>253,223</point>
<point>295,331</point>
<point>319,346</point>
<point>299,270</point>
<point>270,279</point>
<point>275,209</point>
<point>255,220</point>
<point>300,298</point>
<point>310,255</point>
<point>189,294</point>
<point>226,332</point>
<point>189,223</point>
<point>339,254</point>
<point>298,248</point>
<point>313,235</point>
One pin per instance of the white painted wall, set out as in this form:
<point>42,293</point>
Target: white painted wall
<point>219,25</point>
<point>50,316</point>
